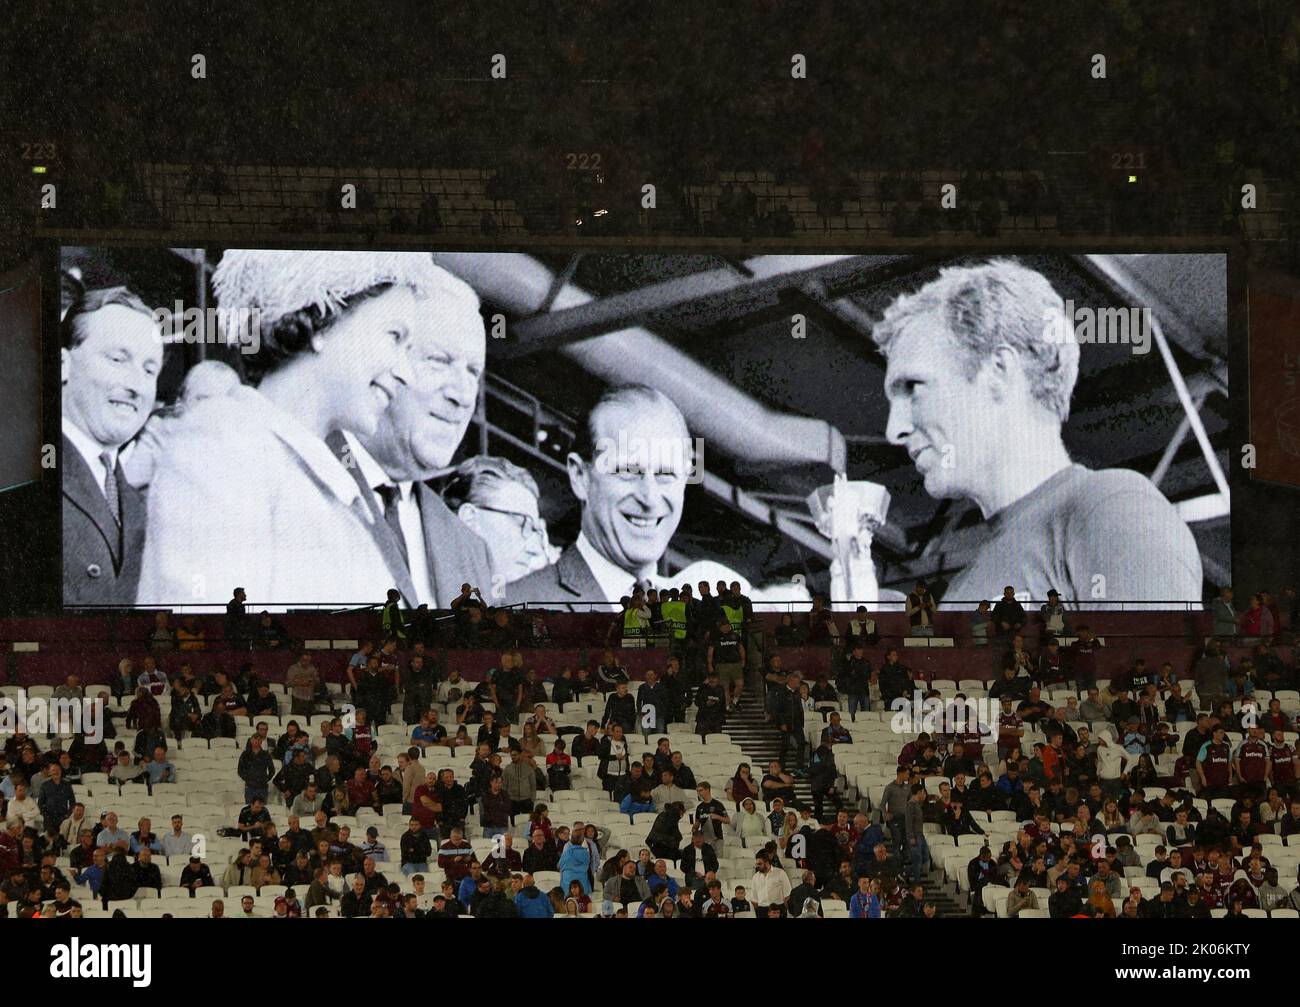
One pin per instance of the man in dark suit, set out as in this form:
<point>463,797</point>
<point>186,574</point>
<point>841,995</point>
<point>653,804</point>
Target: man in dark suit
<point>428,548</point>
<point>629,470</point>
<point>109,362</point>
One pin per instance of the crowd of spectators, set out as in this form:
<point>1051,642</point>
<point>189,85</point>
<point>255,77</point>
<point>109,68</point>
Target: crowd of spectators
<point>1121,757</point>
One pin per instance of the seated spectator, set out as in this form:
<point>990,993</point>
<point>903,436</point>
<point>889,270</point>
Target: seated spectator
<point>504,860</point>
<point>788,634</point>
<point>609,673</point>
<point>125,771</point>
<point>1008,614</point>
<point>190,635</point>
<point>159,769</point>
<point>455,855</point>
<point>633,791</point>
<point>777,783</point>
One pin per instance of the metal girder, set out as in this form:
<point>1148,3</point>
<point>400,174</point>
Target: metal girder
<point>1105,265</point>
<point>636,307</point>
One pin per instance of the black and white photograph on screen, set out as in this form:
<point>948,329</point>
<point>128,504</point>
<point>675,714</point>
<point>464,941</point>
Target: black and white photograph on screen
<point>321,427</point>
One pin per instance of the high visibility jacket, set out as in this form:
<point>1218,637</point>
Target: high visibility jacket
<point>734,615</point>
<point>632,628</point>
<point>674,614</point>
<point>393,622</point>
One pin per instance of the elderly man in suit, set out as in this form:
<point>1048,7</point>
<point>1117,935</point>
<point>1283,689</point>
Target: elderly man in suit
<point>429,550</point>
<point>1225,616</point>
<point>629,470</point>
<point>111,354</point>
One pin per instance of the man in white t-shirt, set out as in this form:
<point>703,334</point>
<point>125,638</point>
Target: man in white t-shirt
<point>1111,761</point>
<point>23,805</point>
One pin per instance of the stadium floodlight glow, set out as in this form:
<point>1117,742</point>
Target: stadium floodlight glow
<point>38,169</point>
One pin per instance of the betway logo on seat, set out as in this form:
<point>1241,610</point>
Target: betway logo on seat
<point>102,961</point>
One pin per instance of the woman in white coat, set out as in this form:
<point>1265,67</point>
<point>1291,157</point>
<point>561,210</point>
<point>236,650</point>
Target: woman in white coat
<point>247,492</point>
<point>751,825</point>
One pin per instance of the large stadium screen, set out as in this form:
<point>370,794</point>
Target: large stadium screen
<point>319,427</point>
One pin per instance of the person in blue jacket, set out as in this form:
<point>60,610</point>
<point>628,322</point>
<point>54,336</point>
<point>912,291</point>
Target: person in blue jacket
<point>865,904</point>
<point>575,865</point>
<point>533,903</point>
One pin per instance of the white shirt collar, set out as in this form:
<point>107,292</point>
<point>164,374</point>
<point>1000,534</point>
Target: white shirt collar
<point>371,470</point>
<point>89,449</point>
<point>614,581</point>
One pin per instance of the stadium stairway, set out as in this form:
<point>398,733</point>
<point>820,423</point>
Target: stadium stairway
<point>760,741</point>
<point>948,901</point>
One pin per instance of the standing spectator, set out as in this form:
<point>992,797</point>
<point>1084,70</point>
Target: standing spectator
<point>1083,658</point>
<point>920,610</point>
<point>575,863</point>
<point>1052,613</point>
<point>789,720</point>
<point>236,627</point>
<point>495,808</point>
<point>665,837</point>
<point>256,768</point>
<point>865,904</point>
<point>1257,622</point>
<point>980,622</point>
<point>614,757</point>
<point>770,886</point>
<point>914,832</point>
<point>1214,765</point>
<point>652,705</point>
<point>1225,615</point>
<point>621,709</point>
<point>862,629</point>
<point>1211,675</point>
<point>522,779</point>
<point>822,774</point>
<point>302,680</point>
<point>392,622</point>
<point>726,656</point>
<point>710,816</point>
<point>855,680</point>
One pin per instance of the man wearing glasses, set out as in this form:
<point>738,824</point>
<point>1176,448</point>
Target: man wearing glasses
<point>498,501</point>
<point>429,551</point>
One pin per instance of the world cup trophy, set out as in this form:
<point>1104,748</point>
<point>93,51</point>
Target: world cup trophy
<point>849,513</point>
